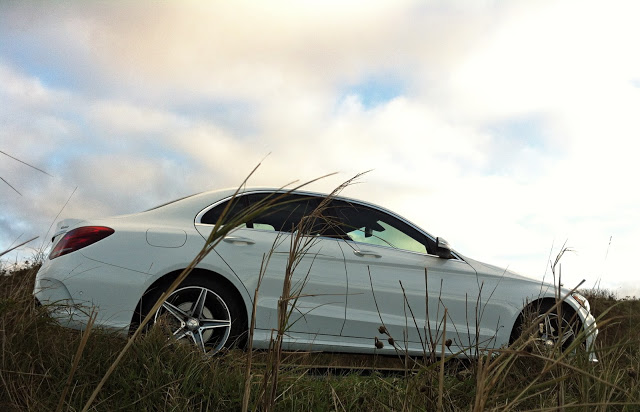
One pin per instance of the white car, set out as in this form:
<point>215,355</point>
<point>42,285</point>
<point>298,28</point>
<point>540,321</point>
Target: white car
<point>369,267</point>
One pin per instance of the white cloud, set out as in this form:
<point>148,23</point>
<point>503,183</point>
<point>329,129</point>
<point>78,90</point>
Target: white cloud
<point>22,90</point>
<point>125,117</point>
<point>107,101</point>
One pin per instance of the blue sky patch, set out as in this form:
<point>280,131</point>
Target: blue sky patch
<point>39,59</point>
<point>375,90</point>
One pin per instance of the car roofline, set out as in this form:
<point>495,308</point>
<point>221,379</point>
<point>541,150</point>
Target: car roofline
<point>263,189</point>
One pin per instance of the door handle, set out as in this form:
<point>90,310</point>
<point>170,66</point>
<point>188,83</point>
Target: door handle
<point>363,253</point>
<point>238,240</point>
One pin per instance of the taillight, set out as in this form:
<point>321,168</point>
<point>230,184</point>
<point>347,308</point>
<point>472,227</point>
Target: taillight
<point>78,238</point>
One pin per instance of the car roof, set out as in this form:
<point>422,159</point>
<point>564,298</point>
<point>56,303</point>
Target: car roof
<point>190,206</point>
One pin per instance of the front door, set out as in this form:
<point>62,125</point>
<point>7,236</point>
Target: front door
<point>394,280</point>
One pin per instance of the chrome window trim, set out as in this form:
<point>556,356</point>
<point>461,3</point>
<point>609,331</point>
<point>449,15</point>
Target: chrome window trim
<point>456,258</point>
<point>198,218</point>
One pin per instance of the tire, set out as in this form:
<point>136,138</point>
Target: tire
<point>204,313</point>
<point>545,329</point>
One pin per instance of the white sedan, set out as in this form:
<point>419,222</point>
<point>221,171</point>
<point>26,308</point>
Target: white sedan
<point>369,267</point>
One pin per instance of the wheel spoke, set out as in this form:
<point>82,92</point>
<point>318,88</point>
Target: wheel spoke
<point>568,333</point>
<point>197,339</point>
<point>549,329</point>
<point>213,324</point>
<point>180,333</point>
<point>198,305</point>
<point>175,311</point>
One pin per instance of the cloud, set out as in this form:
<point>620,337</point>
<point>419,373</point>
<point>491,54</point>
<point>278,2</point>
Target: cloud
<point>243,50</point>
<point>544,58</point>
<point>504,127</point>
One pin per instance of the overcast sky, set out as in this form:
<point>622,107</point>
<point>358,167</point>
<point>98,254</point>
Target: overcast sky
<point>506,127</point>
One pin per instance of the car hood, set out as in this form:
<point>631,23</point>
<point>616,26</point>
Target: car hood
<point>485,269</point>
<point>491,270</point>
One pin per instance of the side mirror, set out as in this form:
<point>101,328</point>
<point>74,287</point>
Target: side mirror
<point>443,249</point>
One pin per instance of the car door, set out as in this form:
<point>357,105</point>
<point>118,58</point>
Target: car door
<point>317,284</point>
<point>394,280</point>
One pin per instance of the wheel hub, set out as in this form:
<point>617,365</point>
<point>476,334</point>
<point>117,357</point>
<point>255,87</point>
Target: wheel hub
<point>192,324</point>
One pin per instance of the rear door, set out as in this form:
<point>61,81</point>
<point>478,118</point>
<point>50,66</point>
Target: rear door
<point>317,289</point>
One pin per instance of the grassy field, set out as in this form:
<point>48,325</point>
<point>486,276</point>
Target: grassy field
<point>46,367</point>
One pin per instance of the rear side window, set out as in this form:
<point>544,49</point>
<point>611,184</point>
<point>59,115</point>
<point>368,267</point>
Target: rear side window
<point>284,215</point>
<point>236,206</point>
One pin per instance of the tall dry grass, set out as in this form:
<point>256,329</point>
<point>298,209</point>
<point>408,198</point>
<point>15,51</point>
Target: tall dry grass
<point>46,367</point>
<point>41,369</point>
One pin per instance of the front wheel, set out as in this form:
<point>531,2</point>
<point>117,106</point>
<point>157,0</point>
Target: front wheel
<point>203,313</point>
<point>546,328</point>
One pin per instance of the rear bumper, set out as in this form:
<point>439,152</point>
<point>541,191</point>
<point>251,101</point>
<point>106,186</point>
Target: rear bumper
<point>55,297</point>
<point>73,287</point>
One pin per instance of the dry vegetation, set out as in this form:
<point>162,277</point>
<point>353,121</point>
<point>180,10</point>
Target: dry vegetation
<point>42,369</point>
<point>47,367</point>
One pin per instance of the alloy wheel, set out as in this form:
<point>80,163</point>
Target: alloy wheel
<point>554,331</point>
<point>198,315</point>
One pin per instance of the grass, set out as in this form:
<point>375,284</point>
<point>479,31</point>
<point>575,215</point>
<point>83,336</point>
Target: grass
<point>47,367</point>
<point>42,369</point>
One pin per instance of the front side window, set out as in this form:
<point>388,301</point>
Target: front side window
<point>366,225</point>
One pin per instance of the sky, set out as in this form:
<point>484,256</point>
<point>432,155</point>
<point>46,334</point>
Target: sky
<point>510,128</point>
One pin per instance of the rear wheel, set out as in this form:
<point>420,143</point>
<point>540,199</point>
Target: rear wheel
<point>203,313</point>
